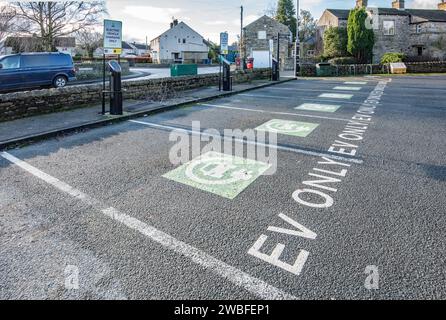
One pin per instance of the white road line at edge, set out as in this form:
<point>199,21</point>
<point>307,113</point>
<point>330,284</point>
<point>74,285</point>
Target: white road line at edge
<point>272,112</point>
<point>283,148</point>
<point>256,286</point>
<point>264,96</point>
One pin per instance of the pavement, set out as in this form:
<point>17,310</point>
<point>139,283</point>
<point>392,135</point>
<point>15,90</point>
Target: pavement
<point>353,208</point>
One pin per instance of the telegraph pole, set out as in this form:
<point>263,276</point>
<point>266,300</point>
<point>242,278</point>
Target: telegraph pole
<point>297,48</point>
<point>242,56</point>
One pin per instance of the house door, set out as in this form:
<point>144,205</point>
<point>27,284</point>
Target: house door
<point>176,57</point>
<point>420,51</point>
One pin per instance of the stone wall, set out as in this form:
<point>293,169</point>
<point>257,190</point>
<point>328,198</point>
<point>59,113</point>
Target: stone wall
<point>309,70</point>
<point>426,67</point>
<point>29,103</point>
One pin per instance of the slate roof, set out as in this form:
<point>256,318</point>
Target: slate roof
<point>392,12</point>
<point>125,45</point>
<point>431,15</point>
<point>139,46</point>
<point>340,13</point>
<point>266,18</point>
<point>179,25</point>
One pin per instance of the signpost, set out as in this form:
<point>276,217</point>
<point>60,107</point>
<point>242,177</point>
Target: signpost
<point>224,50</point>
<point>112,46</point>
<point>224,43</point>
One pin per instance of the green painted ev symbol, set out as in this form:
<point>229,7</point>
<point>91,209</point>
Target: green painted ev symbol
<point>220,174</point>
<point>292,128</point>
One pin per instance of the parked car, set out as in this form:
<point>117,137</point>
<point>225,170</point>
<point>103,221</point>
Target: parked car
<point>30,70</point>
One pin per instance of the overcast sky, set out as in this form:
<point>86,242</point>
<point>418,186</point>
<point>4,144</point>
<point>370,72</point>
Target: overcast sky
<point>149,18</point>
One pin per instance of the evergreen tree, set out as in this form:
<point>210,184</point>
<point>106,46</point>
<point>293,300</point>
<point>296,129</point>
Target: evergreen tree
<point>360,38</point>
<point>335,42</point>
<point>286,14</point>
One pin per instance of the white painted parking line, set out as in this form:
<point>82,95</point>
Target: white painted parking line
<point>336,96</point>
<point>316,90</point>
<point>278,147</point>
<point>273,112</point>
<point>251,284</point>
<point>328,100</point>
<point>264,96</point>
<point>317,107</point>
<point>342,88</point>
<point>356,82</point>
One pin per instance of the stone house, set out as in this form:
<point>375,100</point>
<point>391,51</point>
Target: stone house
<point>257,38</point>
<point>140,49</point>
<point>180,44</point>
<point>418,33</point>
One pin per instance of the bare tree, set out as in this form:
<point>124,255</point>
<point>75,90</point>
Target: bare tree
<point>308,25</point>
<point>7,26</point>
<point>89,40</point>
<point>271,10</point>
<point>49,20</point>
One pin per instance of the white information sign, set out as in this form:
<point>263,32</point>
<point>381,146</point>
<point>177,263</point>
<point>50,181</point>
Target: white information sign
<point>112,34</point>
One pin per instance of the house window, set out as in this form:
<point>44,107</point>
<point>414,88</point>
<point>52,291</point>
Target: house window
<point>418,28</point>
<point>389,28</point>
<point>262,35</point>
<point>179,40</point>
<point>184,40</point>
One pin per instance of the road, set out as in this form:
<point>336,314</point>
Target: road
<point>156,73</point>
<point>354,210</point>
<point>146,74</point>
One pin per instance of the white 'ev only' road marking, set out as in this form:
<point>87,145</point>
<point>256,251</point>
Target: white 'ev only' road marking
<point>251,284</point>
<point>317,192</point>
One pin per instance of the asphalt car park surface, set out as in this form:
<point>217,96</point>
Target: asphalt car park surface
<point>110,204</point>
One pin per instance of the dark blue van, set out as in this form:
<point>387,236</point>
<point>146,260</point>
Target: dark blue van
<point>29,70</point>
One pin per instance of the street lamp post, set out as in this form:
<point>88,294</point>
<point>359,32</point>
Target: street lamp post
<point>297,48</point>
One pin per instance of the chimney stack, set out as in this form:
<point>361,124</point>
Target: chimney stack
<point>174,23</point>
<point>398,4</point>
<point>442,5</point>
<point>361,3</point>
